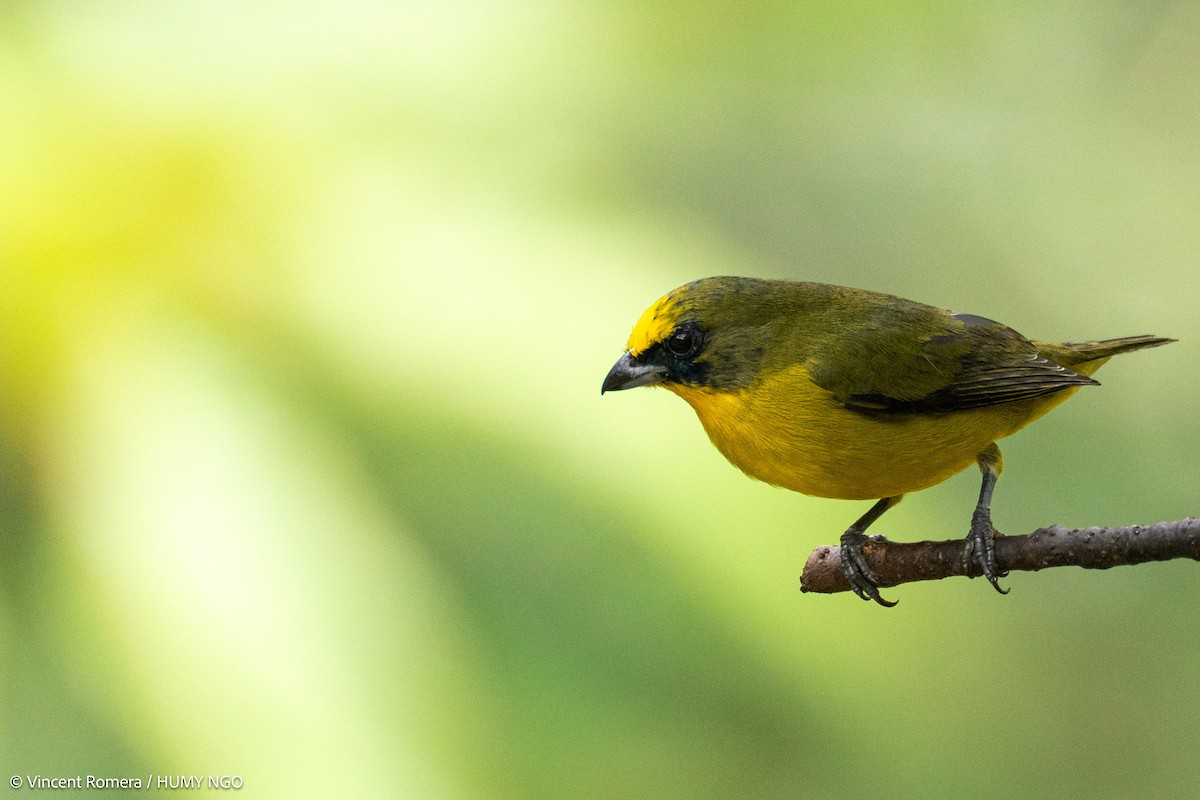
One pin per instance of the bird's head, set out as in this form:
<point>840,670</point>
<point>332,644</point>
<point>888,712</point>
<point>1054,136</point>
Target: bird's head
<point>712,333</point>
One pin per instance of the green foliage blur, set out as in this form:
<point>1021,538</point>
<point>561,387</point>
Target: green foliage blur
<point>305,475</point>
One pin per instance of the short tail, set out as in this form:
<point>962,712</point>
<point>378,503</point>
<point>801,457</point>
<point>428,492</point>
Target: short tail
<point>1077,354</point>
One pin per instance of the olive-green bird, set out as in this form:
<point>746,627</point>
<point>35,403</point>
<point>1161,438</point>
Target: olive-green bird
<point>853,394</point>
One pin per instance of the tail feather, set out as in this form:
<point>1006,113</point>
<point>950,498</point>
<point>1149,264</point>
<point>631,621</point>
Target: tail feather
<point>1075,354</point>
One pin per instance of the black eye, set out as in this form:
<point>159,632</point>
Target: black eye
<point>684,341</point>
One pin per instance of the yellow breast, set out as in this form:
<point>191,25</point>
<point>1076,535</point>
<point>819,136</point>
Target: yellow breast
<point>787,431</point>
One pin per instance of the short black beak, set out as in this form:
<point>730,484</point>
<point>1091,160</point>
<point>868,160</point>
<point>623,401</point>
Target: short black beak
<point>627,373</point>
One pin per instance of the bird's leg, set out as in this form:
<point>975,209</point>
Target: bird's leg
<point>861,577</point>
<point>980,547</point>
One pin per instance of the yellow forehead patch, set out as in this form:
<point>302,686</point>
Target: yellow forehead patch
<point>656,322</point>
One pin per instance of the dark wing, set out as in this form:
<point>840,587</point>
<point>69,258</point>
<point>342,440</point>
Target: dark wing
<point>954,362</point>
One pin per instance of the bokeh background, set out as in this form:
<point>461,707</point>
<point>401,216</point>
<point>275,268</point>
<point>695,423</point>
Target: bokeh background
<point>304,471</point>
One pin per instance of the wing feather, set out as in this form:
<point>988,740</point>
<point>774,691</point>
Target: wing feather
<point>971,362</point>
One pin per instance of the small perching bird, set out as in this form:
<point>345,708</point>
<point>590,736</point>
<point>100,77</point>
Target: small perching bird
<point>853,394</point>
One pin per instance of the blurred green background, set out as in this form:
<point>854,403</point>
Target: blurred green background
<point>304,471</point>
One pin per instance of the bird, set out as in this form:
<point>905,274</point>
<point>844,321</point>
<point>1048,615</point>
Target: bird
<point>852,394</point>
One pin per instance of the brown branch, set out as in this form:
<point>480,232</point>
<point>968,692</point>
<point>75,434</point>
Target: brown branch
<point>1091,548</point>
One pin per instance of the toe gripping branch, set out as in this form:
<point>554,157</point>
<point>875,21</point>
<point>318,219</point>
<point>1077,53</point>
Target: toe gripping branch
<point>859,574</point>
<point>979,549</point>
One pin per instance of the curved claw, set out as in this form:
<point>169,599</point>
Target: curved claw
<point>858,572</point>
<point>979,550</point>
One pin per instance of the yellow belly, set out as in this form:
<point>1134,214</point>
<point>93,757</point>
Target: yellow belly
<point>789,432</point>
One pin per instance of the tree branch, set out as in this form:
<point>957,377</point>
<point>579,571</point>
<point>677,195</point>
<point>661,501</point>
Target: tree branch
<point>1091,548</point>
